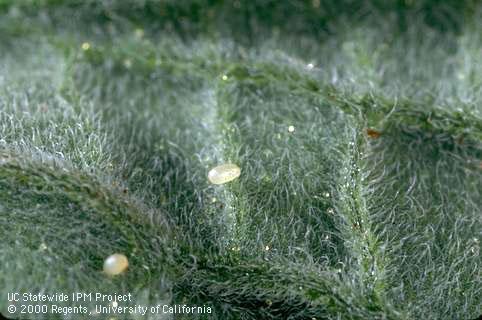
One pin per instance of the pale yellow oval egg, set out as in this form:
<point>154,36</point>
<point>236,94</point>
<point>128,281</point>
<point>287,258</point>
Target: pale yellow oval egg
<point>115,264</point>
<point>224,173</point>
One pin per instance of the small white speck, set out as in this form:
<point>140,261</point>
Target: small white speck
<point>85,46</point>
<point>310,66</point>
<point>224,77</point>
<point>139,33</point>
<point>475,250</point>
<point>291,129</point>
<point>127,63</point>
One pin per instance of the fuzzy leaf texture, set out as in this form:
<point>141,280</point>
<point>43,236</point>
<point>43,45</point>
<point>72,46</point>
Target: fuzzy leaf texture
<point>357,127</point>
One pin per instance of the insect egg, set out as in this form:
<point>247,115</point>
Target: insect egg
<point>224,173</point>
<point>115,264</point>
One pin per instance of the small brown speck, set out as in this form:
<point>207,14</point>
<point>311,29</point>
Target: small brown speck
<point>374,134</point>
